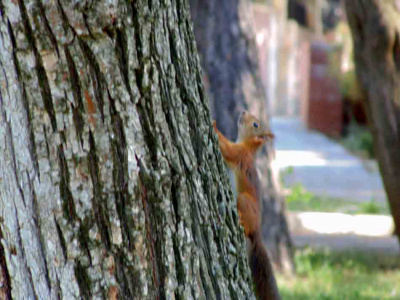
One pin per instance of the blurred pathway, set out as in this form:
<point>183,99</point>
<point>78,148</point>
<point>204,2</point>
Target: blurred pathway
<point>343,232</point>
<point>387,245</point>
<point>323,166</point>
<point>326,168</point>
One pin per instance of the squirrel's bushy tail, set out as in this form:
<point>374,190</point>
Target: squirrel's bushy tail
<point>261,270</point>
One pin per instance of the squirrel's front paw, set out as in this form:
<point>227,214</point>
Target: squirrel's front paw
<point>215,125</point>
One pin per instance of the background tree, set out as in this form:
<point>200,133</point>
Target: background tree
<point>375,27</point>
<point>110,185</point>
<point>225,39</point>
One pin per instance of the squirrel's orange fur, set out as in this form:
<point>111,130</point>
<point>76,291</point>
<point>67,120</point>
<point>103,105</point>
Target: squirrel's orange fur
<point>240,157</point>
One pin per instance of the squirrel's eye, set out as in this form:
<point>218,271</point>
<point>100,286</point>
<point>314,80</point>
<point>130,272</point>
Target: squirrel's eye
<point>255,124</point>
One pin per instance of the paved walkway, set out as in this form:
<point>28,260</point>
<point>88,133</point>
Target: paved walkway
<point>387,245</point>
<point>338,232</point>
<point>326,168</point>
<point>323,166</point>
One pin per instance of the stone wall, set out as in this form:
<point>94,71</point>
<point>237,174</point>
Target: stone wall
<point>284,60</point>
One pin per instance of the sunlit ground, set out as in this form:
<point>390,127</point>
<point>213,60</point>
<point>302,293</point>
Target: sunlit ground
<point>297,158</point>
<point>323,166</point>
<point>344,275</point>
<point>331,174</point>
<point>339,223</point>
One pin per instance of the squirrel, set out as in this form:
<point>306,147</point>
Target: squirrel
<point>240,157</point>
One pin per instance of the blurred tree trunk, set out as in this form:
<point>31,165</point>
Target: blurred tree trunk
<point>225,39</point>
<point>375,29</point>
<point>110,186</point>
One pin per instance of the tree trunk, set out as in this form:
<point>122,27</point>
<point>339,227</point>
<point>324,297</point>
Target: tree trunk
<point>225,39</point>
<point>111,185</point>
<point>375,29</point>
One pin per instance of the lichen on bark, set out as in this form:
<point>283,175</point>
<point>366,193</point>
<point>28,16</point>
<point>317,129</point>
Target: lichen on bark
<point>111,181</point>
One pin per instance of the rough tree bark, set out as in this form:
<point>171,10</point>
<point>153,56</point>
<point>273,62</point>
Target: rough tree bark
<point>375,27</point>
<point>111,182</point>
<point>225,39</point>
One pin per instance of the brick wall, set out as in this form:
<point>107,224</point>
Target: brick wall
<point>325,106</point>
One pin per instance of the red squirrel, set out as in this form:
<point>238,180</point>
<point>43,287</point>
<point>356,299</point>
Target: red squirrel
<point>240,157</point>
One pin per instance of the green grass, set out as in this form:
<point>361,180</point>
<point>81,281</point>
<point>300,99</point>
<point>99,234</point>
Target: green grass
<point>359,141</point>
<point>299,199</point>
<point>372,208</point>
<point>344,275</point>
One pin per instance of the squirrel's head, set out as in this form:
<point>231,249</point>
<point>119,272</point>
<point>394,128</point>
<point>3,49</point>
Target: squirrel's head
<point>252,131</point>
